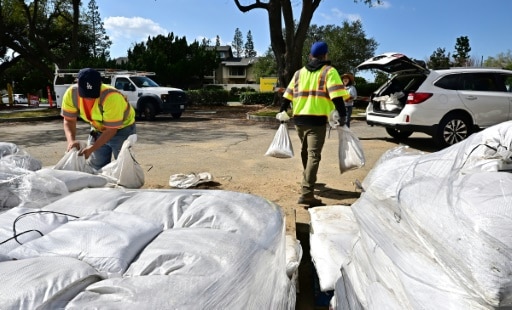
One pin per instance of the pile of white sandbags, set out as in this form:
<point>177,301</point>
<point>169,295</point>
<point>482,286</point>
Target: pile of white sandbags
<point>69,241</point>
<point>435,230</point>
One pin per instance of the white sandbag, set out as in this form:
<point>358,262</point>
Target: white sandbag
<point>74,162</point>
<point>21,187</point>
<point>163,207</point>
<point>28,223</point>
<point>333,233</point>
<point>293,257</point>
<point>24,161</point>
<point>43,282</point>
<point>197,268</point>
<point>195,252</point>
<point>177,292</point>
<point>235,212</point>
<point>281,146</point>
<point>91,240</point>
<point>89,201</point>
<point>350,150</point>
<point>125,171</point>
<point>74,180</point>
<point>8,148</point>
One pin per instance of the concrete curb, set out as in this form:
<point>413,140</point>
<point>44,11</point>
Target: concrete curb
<point>272,119</point>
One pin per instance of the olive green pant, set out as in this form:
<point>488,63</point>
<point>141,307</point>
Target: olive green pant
<point>312,139</point>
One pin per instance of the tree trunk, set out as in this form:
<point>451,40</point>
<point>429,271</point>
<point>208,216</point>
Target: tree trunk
<point>287,47</point>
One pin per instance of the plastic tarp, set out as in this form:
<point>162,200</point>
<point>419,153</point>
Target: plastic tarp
<point>211,250</point>
<point>435,229</point>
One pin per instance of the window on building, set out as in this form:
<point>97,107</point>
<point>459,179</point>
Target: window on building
<point>237,71</point>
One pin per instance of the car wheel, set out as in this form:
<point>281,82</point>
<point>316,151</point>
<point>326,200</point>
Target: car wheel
<point>399,134</point>
<point>176,115</point>
<point>453,129</point>
<point>147,112</point>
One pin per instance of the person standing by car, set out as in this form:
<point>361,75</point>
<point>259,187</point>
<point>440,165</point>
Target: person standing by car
<point>314,91</point>
<point>348,81</point>
<point>111,117</point>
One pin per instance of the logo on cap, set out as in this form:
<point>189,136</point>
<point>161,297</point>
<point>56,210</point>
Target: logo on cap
<point>89,86</point>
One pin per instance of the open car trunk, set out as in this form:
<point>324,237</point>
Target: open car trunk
<point>391,97</point>
<point>408,74</point>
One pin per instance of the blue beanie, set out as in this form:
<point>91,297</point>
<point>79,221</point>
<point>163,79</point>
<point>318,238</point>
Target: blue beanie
<point>318,49</point>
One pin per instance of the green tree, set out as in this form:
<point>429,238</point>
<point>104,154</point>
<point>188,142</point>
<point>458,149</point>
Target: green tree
<point>249,46</point>
<point>174,61</point>
<point>502,60</point>
<point>439,59</point>
<point>348,44</point>
<point>39,32</point>
<point>462,49</point>
<point>93,42</point>
<point>266,65</point>
<point>287,43</point>
<point>381,77</point>
<point>95,31</point>
<point>238,43</point>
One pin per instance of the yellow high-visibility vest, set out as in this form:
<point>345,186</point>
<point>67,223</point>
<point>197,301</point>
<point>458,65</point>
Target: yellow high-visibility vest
<point>312,92</point>
<point>119,115</point>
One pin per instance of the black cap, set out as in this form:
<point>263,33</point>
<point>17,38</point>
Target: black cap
<point>89,83</point>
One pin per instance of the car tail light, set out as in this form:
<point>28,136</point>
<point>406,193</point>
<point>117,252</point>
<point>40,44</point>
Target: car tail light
<point>415,98</point>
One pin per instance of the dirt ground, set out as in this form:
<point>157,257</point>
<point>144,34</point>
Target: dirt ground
<point>224,142</point>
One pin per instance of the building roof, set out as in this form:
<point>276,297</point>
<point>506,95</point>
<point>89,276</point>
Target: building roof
<point>239,61</point>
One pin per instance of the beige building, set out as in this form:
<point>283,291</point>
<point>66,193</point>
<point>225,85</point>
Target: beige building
<point>232,70</point>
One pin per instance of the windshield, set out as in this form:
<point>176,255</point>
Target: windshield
<point>143,81</point>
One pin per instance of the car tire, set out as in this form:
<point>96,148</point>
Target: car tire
<point>147,112</point>
<point>176,115</point>
<point>399,134</point>
<point>453,129</point>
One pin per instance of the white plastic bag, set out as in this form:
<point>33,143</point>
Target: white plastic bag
<point>283,116</point>
<point>350,150</point>
<point>74,162</point>
<point>125,170</point>
<point>281,146</point>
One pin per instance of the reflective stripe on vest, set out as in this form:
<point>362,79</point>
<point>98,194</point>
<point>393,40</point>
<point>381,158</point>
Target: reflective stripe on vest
<point>103,95</point>
<point>312,101</point>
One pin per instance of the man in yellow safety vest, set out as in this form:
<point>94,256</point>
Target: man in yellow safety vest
<point>314,92</point>
<point>111,117</point>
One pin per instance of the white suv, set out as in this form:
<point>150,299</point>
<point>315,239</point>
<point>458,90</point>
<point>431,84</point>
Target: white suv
<point>448,104</point>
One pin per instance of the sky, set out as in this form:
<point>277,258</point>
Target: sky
<point>415,28</point>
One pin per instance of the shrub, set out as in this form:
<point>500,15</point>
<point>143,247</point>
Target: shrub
<point>208,97</point>
<point>252,97</point>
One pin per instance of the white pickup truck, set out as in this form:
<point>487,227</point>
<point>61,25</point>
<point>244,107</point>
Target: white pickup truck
<point>145,95</point>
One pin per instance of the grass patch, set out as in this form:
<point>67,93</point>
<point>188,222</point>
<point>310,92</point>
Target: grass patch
<point>273,111</point>
<point>12,114</point>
